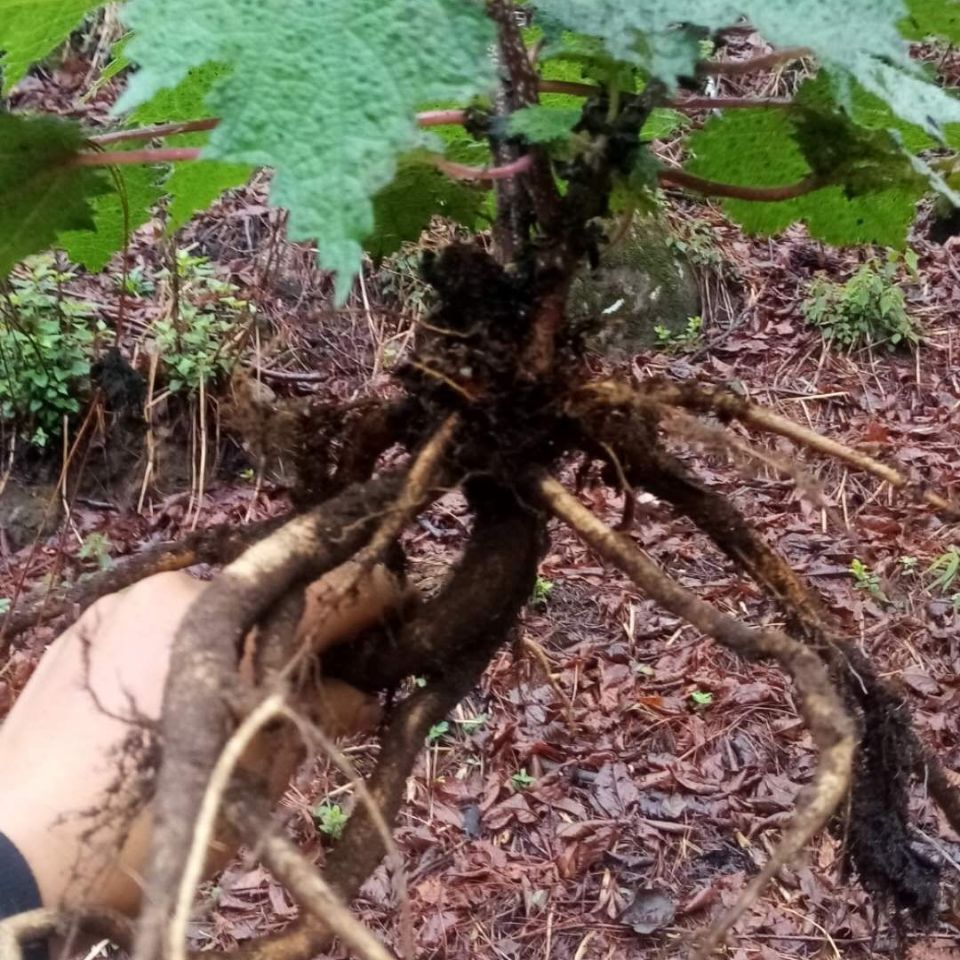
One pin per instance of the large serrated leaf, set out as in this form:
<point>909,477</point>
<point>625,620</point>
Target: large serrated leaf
<point>31,29</point>
<point>539,123</point>
<point>858,39</point>
<point>115,216</point>
<point>325,93</point>
<point>403,209</point>
<point>932,18</point>
<point>758,148</point>
<point>192,187</point>
<point>41,194</point>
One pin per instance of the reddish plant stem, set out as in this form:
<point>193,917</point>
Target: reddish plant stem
<point>440,118</point>
<point>155,132</point>
<point>118,157</point>
<point>460,171</point>
<point>735,68</point>
<point>726,103</point>
<point>569,87</point>
<point>713,188</point>
<point>428,118</point>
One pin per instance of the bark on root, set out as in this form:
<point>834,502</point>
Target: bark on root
<point>879,842</point>
<point>214,545</point>
<point>197,713</point>
<point>829,723</point>
<point>451,640</point>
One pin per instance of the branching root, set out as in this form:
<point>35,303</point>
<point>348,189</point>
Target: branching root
<point>830,724</point>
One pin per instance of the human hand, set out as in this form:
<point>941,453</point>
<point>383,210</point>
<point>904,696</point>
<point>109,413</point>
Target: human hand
<point>72,747</point>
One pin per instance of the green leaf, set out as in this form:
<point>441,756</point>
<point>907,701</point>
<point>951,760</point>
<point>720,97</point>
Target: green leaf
<point>911,97</point>
<point>192,187</point>
<point>115,216</point>
<point>932,18</point>
<point>402,210</point>
<point>542,124</point>
<point>857,39</point>
<point>323,92</point>
<point>40,194</point>
<point>119,61</point>
<point>757,148</point>
<point>31,29</point>
<point>645,31</point>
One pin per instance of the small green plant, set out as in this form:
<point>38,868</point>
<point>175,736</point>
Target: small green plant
<point>401,280</point>
<point>134,283</point>
<point>541,591</point>
<point>696,241</point>
<point>908,564</point>
<point>5,603</point>
<point>470,724</point>
<point>684,339</point>
<point>865,579</point>
<point>96,546</point>
<point>46,344</point>
<point>945,567</point>
<point>329,819</point>
<point>437,731</point>
<point>521,779</point>
<point>701,699</point>
<point>198,343</point>
<point>869,309</point>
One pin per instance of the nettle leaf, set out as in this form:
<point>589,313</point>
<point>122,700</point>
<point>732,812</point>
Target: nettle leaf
<point>861,158</point>
<point>403,210</point>
<point>911,97</point>
<point>137,191</point>
<point>192,187</point>
<point>325,93</point>
<point>759,148</point>
<point>543,124</point>
<point>932,18</point>
<point>40,193</point>
<point>646,32</point>
<point>858,39</point>
<point>31,29</point>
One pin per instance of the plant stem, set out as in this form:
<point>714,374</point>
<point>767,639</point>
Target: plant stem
<point>119,157</point>
<point>460,171</point>
<point>713,188</point>
<point>735,68</point>
<point>428,118</point>
<point>439,118</point>
<point>155,132</point>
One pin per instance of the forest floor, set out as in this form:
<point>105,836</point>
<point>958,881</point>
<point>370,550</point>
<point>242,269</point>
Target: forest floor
<point>610,809</point>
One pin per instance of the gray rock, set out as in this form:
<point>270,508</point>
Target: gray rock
<point>642,282</point>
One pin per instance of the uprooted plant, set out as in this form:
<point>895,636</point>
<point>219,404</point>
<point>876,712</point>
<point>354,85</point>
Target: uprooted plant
<point>496,399</point>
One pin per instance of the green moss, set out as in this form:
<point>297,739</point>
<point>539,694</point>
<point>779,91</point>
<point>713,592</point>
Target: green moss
<point>643,282</point>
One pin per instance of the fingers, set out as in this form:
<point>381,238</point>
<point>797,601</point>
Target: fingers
<point>346,601</point>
